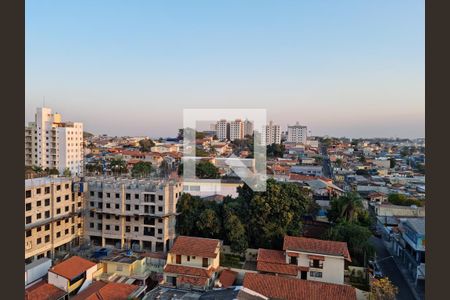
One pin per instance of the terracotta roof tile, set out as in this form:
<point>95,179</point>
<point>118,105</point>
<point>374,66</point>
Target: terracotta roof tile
<point>277,268</point>
<point>195,281</point>
<point>192,271</point>
<point>279,287</point>
<point>271,256</point>
<point>106,291</point>
<point>316,246</point>
<point>227,278</point>
<point>43,290</point>
<point>195,246</point>
<point>72,267</point>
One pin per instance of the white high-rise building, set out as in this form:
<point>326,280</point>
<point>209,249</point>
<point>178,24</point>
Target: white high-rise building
<point>236,130</point>
<point>272,133</point>
<point>51,143</point>
<point>297,134</point>
<point>222,129</point>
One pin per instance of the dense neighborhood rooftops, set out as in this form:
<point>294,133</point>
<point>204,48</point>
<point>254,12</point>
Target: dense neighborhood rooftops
<point>303,244</point>
<point>43,290</point>
<point>274,261</point>
<point>277,287</point>
<point>72,267</point>
<point>100,290</point>
<point>195,246</point>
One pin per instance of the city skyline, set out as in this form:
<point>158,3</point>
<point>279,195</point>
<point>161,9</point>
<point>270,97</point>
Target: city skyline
<point>352,69</point>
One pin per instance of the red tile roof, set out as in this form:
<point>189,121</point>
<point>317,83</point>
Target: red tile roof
<point>195,281</point>
<point>279,287</point>
<point>300,177</point>
<point>195,246</point>
<point>43,290</point>
<point>191,271</point>
<point>277,268</point>
<point>106,291</point>
<point>274,261</point>
<point>227,278</point>
<point>310,245</point>
<point>72,267</point>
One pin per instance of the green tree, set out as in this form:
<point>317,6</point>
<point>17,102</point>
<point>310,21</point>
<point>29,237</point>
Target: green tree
<point>403,200</point>
<point>275,150</point>
<point>357,238</point>
<point>383,289</point>
<point>345,208</point>
<point>362,158</point>
<point>235,233</point>
<point>338,162</point>
<point>208,223</point>
<point>164,169</point>
<point>52,171</point>
<point>141,169</point>
<point>203,170</point>
<point>146,145</point>
<point>67,172</point>
<point>118,166</point>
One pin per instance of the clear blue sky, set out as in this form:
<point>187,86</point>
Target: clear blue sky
<point>343,68</point>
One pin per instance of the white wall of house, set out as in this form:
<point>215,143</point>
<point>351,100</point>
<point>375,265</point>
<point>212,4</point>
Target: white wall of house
<point>58,281</point>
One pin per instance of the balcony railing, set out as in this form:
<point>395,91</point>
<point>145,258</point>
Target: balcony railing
<point>318,265</point>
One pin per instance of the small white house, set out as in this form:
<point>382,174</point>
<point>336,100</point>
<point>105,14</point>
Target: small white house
<point>73,274</point>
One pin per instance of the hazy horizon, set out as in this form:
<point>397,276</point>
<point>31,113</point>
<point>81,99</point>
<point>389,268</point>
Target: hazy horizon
<point>348,68</point>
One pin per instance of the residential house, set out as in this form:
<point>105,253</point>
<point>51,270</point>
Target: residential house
<point>278,287</point>
<point>72,275</point>
<point>192,262</point>
<point>43,290</point>
<point>306,258</point>
<point>101,290</point>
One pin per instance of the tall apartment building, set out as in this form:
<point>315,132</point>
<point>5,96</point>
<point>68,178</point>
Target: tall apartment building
<point>297,134</point>
<point>53,216</point>
<point>236,130</point>
<point>272,133</point>
<point>248,128</point>
<point>222,130</point>
<point>51,143</point>
<point>139,214</point>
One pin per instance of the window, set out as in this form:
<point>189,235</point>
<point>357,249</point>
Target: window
<point>160,231</point>
<point>28,194</point>
<point>117,195</point>
<point>136,229</point>
<point>108,205</point>
<point>28,206</point>
<point>127,228</point>
<point>92,193</point>
<point>47,214</point>
<point>117,206</point>
<point>316,263</point>
<point>128,207</point>
<point>160,197</point>
<point>67,186</point>
<point>160,208</point>
<point>127,218</point>
<point>66,231</point>
<point>99,226</point>
<point>38,191</point>
<point>58,234</point>
<point>28,233</point>
<point>92,204</point>
<point>38,203</point>
<point>66,209</point>
<point>58,187</point>
<point>38,241</point>
<point>188,258</point>
<point>107,227</point>
<point>58,223</point>
<point>28,220</point>
<point>315,274</point>
<point>127,196</point>
<point>205,262</point>
<point>293,260</point>
<point>47,227</point>
<point>38,229</point>
<point>136,196</point>
<point>91,214</point>
<point>136,207</point>
<point>47,202</point>
<point>178,259</point>
<point>100,194</point>
<point>107,217</point>
<point>47,238</point>
<point>108,195</point>
<point>66,197</point>
<point>136,218</point>
<point>38,216</point>
<point>116,228</point>
<point>47,190</point>
<point>58,211</point>
<point>58,199</point>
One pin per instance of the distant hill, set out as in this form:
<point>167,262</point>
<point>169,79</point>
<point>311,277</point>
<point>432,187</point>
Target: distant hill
<point>87,134</point>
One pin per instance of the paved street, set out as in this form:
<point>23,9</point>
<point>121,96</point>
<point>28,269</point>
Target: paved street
<point>389,269</point>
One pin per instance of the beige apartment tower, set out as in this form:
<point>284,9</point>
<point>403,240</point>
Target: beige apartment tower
<point>53,216</point>
<point>132,214</point>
